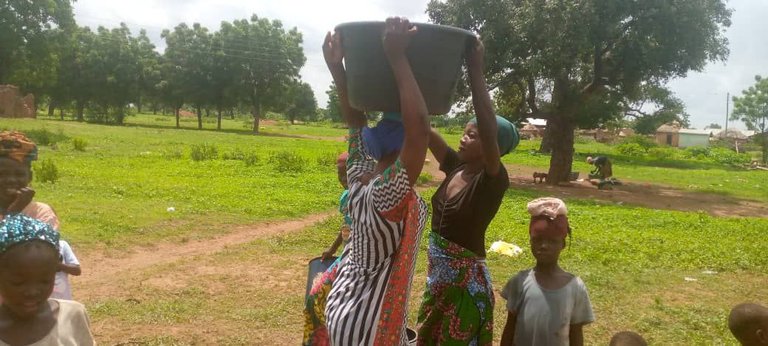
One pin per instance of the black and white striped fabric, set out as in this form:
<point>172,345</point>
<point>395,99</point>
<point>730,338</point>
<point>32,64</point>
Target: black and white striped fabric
<point>354,303</point>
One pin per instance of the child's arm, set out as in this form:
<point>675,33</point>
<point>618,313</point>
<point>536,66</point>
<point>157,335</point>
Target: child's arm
<point>576,335</point>
<point>508,336</point>
<point>71,269</point>
<point>333,248</point>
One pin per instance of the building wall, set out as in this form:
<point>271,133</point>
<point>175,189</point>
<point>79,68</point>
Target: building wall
<point>667,138</point>
<point>691,140</point>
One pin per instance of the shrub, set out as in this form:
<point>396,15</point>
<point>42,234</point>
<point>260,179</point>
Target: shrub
<point>205,151</point>
<point>662,153</point>
<point>79,144</point>
<point>699,153</point>
<point>631,149</point>
<point>251,159</point>
<point>729,157</point>
<point>287,162</point>
<point>45,137</point>
<point>642,141</point>
<point>236,154</point>
<point>46,172</point>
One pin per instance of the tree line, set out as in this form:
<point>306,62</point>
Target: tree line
<point>250,63</point>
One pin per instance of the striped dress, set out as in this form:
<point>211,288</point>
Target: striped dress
<point>368,304</point>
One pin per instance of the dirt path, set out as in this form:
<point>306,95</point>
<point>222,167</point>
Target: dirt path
<point>644,194</point>
<point>103,269</point>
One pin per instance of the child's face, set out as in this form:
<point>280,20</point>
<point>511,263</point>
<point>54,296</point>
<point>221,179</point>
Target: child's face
<point>546,248</point>
<point>14,176</point>
<point>27,277</point>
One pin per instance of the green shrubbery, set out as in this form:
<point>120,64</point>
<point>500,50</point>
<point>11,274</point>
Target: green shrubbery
<point>46,171</point>
<point>203,152</point>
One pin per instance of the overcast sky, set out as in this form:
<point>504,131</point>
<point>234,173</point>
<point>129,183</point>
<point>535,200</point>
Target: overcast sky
<point>704,93</point>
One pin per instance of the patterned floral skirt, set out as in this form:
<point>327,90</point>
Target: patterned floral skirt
<point>457,306</point>
<point>315,331</point>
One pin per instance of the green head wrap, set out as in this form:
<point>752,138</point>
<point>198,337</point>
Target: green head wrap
<point>507,136</point>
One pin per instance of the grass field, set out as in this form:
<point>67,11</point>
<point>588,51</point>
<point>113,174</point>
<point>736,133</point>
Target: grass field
<point>114,192</point>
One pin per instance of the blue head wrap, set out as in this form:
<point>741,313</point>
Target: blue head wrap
<point>507,136</point>
<point>18,228</point>
<point>386,137</point>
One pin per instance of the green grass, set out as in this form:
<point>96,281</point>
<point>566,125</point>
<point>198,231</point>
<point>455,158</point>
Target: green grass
<point>633,261</point>
<point>117,192</point>
<point>689,175</point>
<point>121,187</point>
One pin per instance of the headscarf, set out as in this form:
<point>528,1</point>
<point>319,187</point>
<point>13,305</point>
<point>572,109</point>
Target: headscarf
<point>386,137</point>
<point>548,217</point>
<point>506,135</point>
<point>15,146</point>
<point>19,228</point>
<point>341,161</point>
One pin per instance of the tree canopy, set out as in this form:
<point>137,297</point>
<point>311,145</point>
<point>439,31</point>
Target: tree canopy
<point>752,108</point>
<point>578,62</point>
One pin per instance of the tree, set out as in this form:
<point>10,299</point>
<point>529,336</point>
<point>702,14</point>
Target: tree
<point>24,21</point>
<point>301,103</point>
<point>189,56</point>
<point>714,126</point>
<point>268,59</point>
<point>574,61</point>
<point>752,109</point>
<point>115,64</point>
<point>332,110</point>
<point>150,76</point>
<point>652,106</point>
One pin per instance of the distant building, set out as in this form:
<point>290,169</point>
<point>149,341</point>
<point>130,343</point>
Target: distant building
<point>674,136</point>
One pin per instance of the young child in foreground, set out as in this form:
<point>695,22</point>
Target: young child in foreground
<point>749,324</point>
<point>69,266</point>
<point>29,260</point>
<point>546,305</point>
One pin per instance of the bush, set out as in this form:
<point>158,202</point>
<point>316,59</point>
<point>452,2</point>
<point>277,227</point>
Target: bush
<point>729,157</point>
<point>327,159</point>
<point>662,153</point>
<point>236,154</point>
<point>287,162</point>
<point>46,172</point>
<point>79,144</point>
<point>642,141</point>
<point>251,159</point>
<point>45,137</point>
<point>631,149</point>
<point>205,151</point>
<point>699,153</point>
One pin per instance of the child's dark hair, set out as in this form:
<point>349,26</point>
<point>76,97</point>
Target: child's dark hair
<point>745,319</point>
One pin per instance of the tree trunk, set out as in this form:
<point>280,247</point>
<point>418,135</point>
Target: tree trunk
<point>138,105</point>
<point>232,113</point>
<point>218,119</point>
<point>61,113</point>
<point>561,161</point>
<point>199,118</point>
<point>80,109</point>
<point>546,141</point>
<point>256,117</point>
<point>207,113</point>
<point>51,109</point>
<point>176,111</point>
